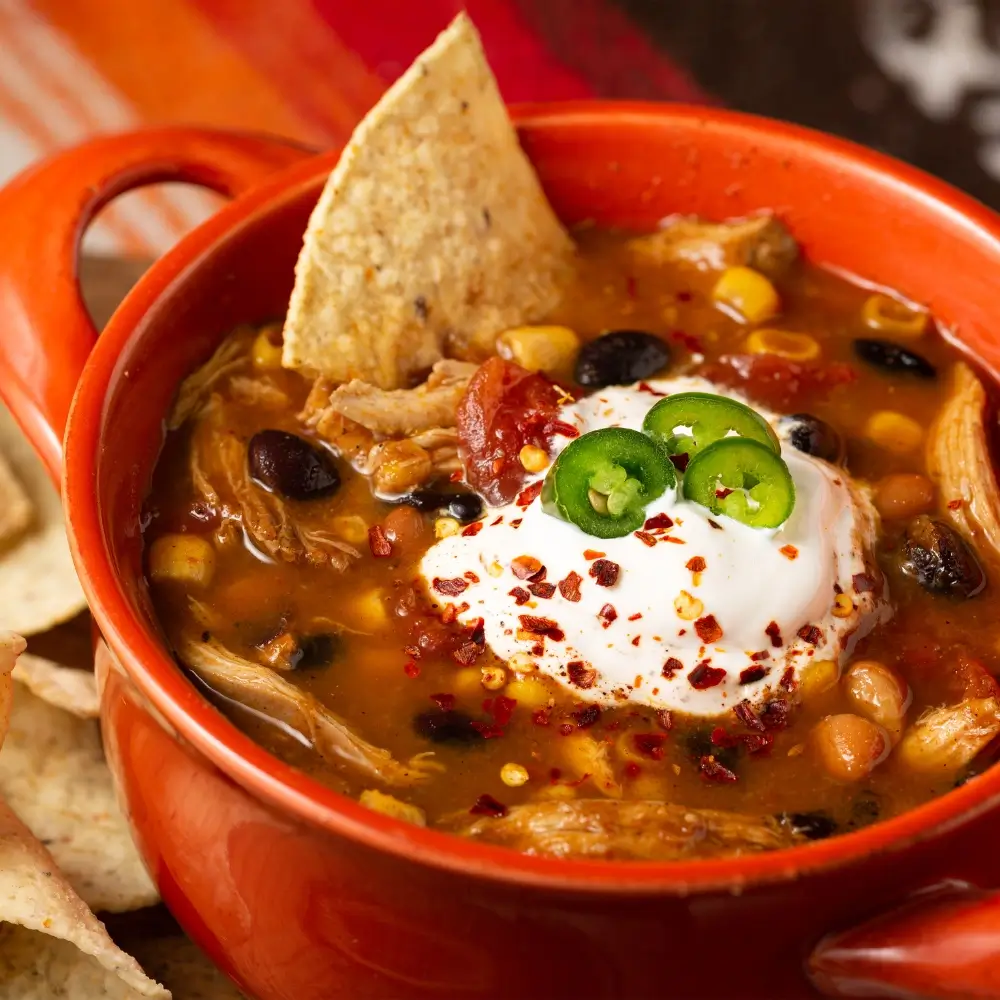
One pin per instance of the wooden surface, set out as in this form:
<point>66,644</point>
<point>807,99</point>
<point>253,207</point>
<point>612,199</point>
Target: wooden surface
<point>106,281</point>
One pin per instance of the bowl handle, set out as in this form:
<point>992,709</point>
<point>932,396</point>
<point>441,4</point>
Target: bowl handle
<point>46,332</point>
<point>944,944</point>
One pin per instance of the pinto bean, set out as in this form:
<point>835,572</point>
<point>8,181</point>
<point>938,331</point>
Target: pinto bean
<point>880,694</point>
<point>849,746</point>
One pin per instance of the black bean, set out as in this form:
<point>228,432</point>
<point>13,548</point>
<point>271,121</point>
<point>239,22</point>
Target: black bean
<point>463,507</point>
<point>865,810</point>
<point>316,651</point>
<point>698,743</point>
<point>446,726</point>
<point>815,437</point>
<point>621,357</point>
<point>940,560</point>
<point>291,466</point>
<point>890,357</point>
<point>811,825</point>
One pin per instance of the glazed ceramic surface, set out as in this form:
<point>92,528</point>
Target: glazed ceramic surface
<point>301,894</point>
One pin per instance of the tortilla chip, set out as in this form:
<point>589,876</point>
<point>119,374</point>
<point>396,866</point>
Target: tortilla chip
<point>16,510</point>
<point>68,688</point>
<point>38,584</point>
<point>177,962</point>
<point>11,646</point>
<point>433,225</point>
<point>53,775</point>
<point>51,945</point>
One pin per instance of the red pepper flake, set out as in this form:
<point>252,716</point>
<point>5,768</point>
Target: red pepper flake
<point>501,708</point>
<point>632,769</point>
<point>671,538</point>
<point>607,614</point>
<point>525,567</point>
<point>705,676</point>
<point>753,674</point>
<point>449,614</point>
<point>542,626</point>
<point>696,564</point>
<point>762,654</point>
<point>586,717</point>
<point>414,652</point>
<point>745,713</point>
<point>450,588</point>
<point>671,667</point>
<point>560,427</point>
<point>590,554</point>
<point>864,583</point>
<point>650,744</point>
<point>538,649</point>
<point>566,729</point>
<point>688,340</point>
<point>456,477</point>
<point>955,504</point>
<point>470,576</point>
<point>520,595</point>
<point>646,538</point>
<point>646,387</point>
<point>499,520</point>
<point>715,524</point>
<point>788,679</point>
<point>720,738</point>
<point>540,716</point>
<point>516,523</point>
<point>411,669</point>
<point>378,543</point>
<point>605,572</point>
<point>757,743</point>
<point>665,718</point>
<point>542,590</point>
<point>488,730</point>
<point>446,702</point>
<point>708,629</point>
<point>712,770</point>
<point>680,461</point>
<point>773,632</point>
<point>529,494</point>
<point>635,617</point>
<point>472,648</point>
<point>722,493</point>
<point>580,674</point>
<point>473,529</point>
<point>635,641</point>
<point>790,552</point>
<point>486,805</point>
<point>811,634</point>
<point>660,522</point>
<point>775,714</point>
<point>569,586</point>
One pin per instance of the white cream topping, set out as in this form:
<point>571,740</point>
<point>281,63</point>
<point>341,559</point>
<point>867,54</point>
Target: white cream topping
<point>770,593</point>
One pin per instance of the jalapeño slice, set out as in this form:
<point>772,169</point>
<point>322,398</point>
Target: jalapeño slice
<point>602,481</point>
<point>689,422</point>
<point>744,480</point>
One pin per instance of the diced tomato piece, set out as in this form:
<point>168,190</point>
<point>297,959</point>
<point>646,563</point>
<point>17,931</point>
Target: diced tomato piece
<point>504,408</point>
<point>778,382</point>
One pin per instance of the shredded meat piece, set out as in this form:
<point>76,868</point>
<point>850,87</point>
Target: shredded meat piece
<point>257,392</point>
<point>632,830</point>
<point>261,689</point>
<point>589,760</point>
<point>944,740</point>
<point>229,357</point>
<point>760,242</point>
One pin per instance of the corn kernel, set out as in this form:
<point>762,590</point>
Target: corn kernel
<point>819,676</point>
<point>797,751</point>
<point>549,349</point>
<point>888,315</point>
<point>783,344</point>
<point>351,528</point>
<point>688,607</point>
<point>370,610</point>
<point>182,559</point>
<point>843,606</point>
<point>495,569</point>
<point>389,805</point>
<point>466,683</point>
<point>265,352</point>
<point>533,459</point>
<point>894,431</point>
<point>521,663</point>
<point>529,692</point>
<point>513,775</point>
<point>746,295</point>
<point>493,678</point>
<point>445,527</point>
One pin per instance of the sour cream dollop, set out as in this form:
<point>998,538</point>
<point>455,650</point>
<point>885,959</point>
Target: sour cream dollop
<point>693,617</point>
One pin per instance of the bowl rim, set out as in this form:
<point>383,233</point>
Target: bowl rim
<point>156,675</point>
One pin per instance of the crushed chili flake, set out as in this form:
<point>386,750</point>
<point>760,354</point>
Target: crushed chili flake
<point>665,718</point>
<point>591,554</point>
<point>540,716</point>
<point>790,552</point>
<point>955,504</point>
<point>812,634</point>
<point>566,729</point>
<point>580,674</point>
<point>524,567</point>
<point>712,770</point>
<point>762,654</point>
<point>646,538</point>
<point>635,642</point>
<point>708,629</point>
<point>414,652</point>
<point>773,632</point>
<point>520,595</point>
<point>605,572</point>
<point>542,590</point>
<point>757,743</point>
<point>586,717</point>
<point>470,576</point>
<point>607,614</point>
<point>516,523</point>
<point>775,714</point>
<point>411,669</point>
<point>538,649</point>
<point>864,583</point>
<point>501,708</point>
<point>569,586</point>
<point>715,524</point>
<point>696,564</point>
<point>488,730</point>
<point>562,428</point>
<point>646,387</point>
<point>688,340</point>
<point>672,538</point>
<point>450,588</point>
<point>745,713</point>
<point>472,648</point>
<point>632,769</point>
<point>705,676</point>
<point>635,617</point>
<point>449,614</point>
<point>456,477</point>
<point>720,738</point>
<point>671,667</point>
<point>378,543</point>
<point>473,529</point>
<point>721,494</point>
<point>446,702</point>
<point>529,494</point>
<point>542,626</point>
<point>753,674</point>
<point>499,520</point>
<point>486,805</point>
<point>788,679</point>
<point>650,744</point>
<point>680,461</point>
<point>660,522</point>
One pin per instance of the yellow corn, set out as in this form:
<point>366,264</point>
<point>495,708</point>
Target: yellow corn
<point>513,775</point>
<point>445,527</point>
<point>533,459</point>
<point>389,805</point>
<point>528,692</point>
<point>521,663</point>
<point>493,678</point>
<point>818,677</point>
<point>350,528</point>
<point>549,349</point>
<point>466,683</point>
<point>688,607</point>
<point>843,606</point>
<point>888,315</point>
<point>182,559</point>
<point>747,294</point>
<point>894,431</point>
<point>265,352</point>
<point>784,344</point>
<point>370,610</point>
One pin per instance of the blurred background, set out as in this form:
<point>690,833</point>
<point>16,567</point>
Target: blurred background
<point>917,78</point>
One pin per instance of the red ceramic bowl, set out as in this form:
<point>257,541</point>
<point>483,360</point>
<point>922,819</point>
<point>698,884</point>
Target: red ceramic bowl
<point>301,894</point>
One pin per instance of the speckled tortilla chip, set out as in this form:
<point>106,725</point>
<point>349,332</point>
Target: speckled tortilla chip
<point>176,962</point>
<point>16,509</point>
<point>432,230</point>
<point>68,688</point>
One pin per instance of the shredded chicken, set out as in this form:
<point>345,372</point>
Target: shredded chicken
<point>260,392</point>
<point>588,759</point>
<point>229,357</point>
<point>635,830</point>
<point>261,689</point>
<point>944,740</point>
<point>958,458</point>
<point>760,242</point>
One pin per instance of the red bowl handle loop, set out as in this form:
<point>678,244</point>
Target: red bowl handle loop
<point>46,332</point>
<point>942,945</point>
